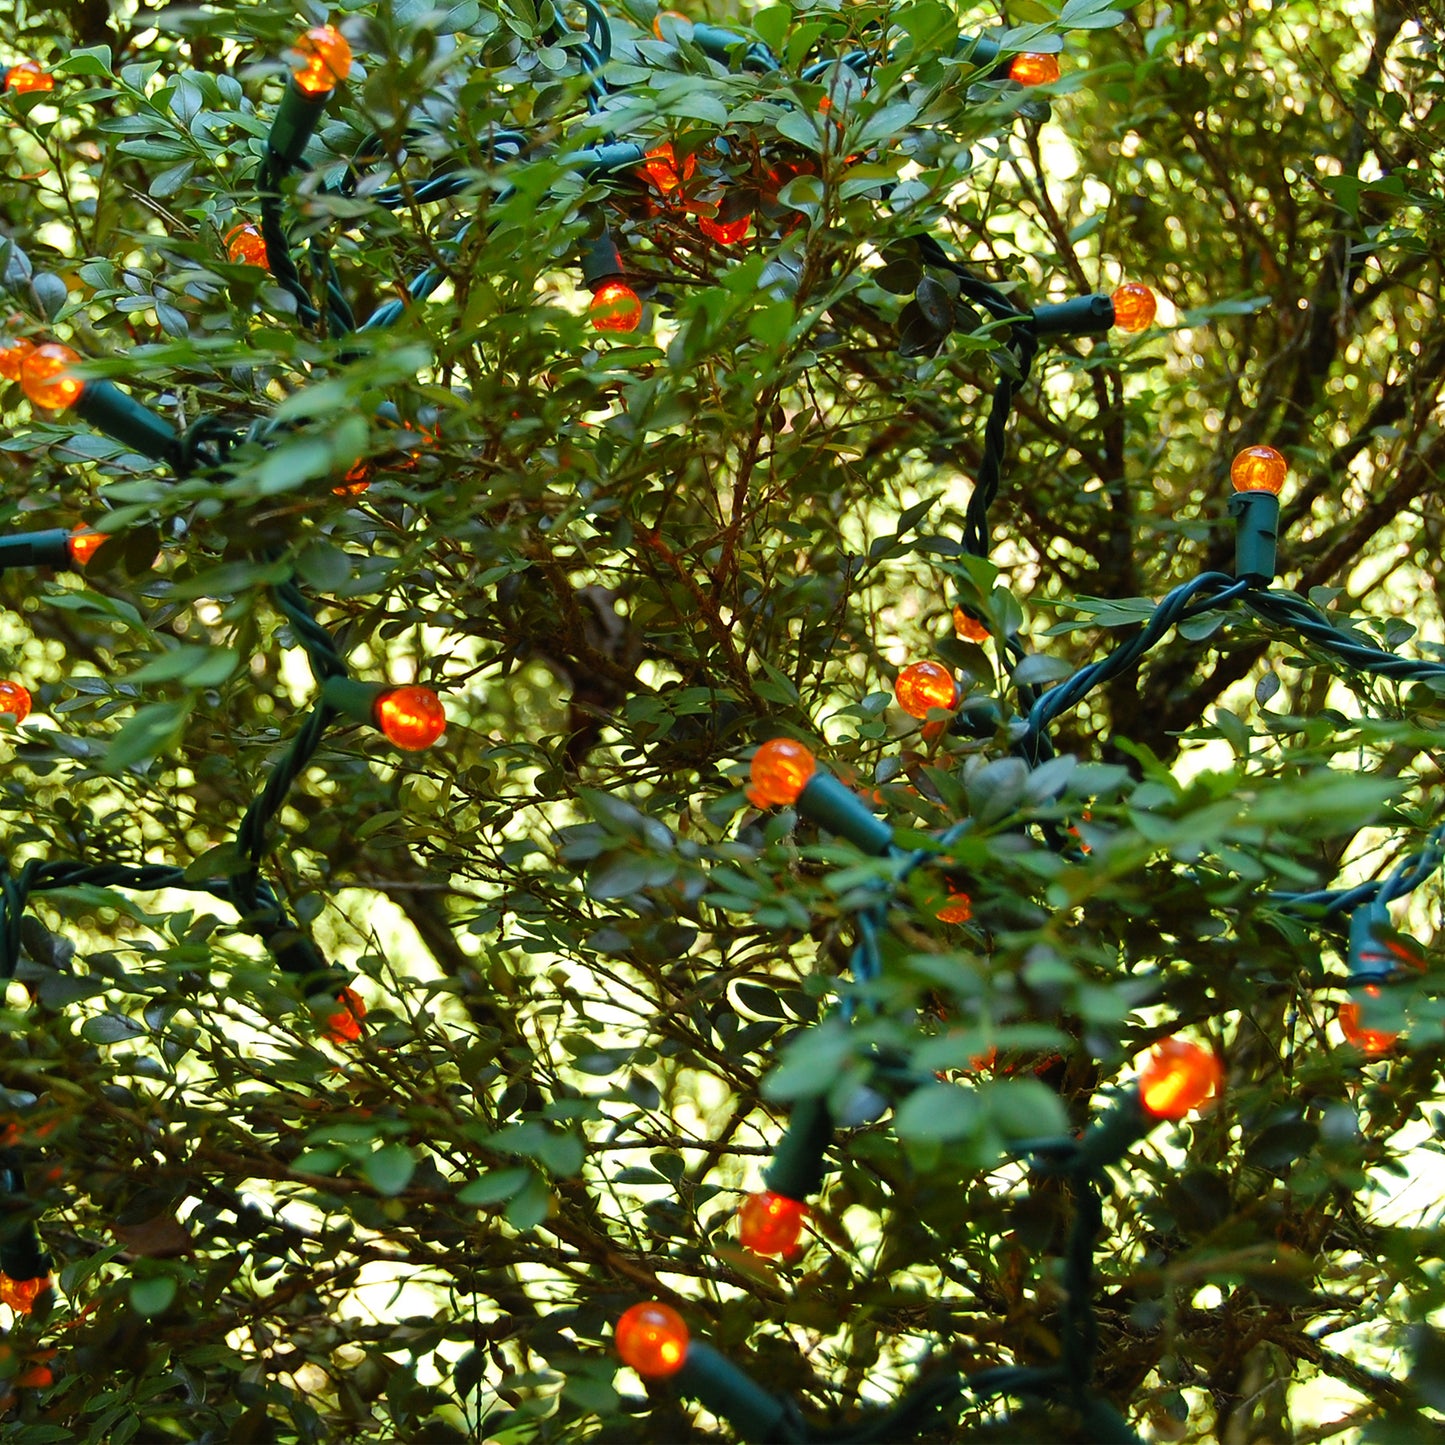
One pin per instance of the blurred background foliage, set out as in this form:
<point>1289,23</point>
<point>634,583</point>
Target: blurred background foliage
<point>590,967</point>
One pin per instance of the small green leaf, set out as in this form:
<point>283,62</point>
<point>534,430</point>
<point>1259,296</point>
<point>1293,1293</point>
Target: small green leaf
<point>389,1170</point>
<point>152,1296</point>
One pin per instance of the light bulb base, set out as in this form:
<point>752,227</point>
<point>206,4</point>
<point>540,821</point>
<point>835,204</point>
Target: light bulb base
<point>1256,538</point>
<point>797,1168</point>
<point>601,261</point>
<point>828,803</point>
<point>295,123</point>
<point>108,409</point>
<point>36,549</point>
<point>731,1393</point>
<point>1370,960</point>
<point>1078,316</point>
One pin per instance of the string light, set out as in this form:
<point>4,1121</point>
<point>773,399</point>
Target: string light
<point>1177,1078</point>
<point>356,481</point>
<point>46,377</point>
<point>725,233</point>
<point>14,701</point>
<point>780,770</point>
<point>83,543</point>
<point>770,1223</point>
<point>25,77</point>
<point>411,717</point>
<point>1259,469</point>
<point>21,1294</point>
<point>1368,1040</point>
<point>924,687</point>
<point>12,356</point>
<point>344,1026</point>
<point>970,629</point>
<point>958,909</point>
<point>1034,69</point>
<point>616,307</point>
<point>325,61</point>
<point>653,1339</point>
<point>662,167</point>
<point>1134,306</point>
<point>245,245</point>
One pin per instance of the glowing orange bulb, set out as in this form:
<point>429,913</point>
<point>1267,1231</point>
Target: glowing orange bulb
<point>27,76</point>
<point>664,169</point>
<point>1258,469</point>
<point>344,1026</point>
<point>968,628</point>
<point>21,1294</point>
<point>84,544</point>
<point>325,60</point>
<point>46,378</point>
<point>616,307</point>
<point>1134,306</point>
<point>358,479</point>
<point>1032,69</point>
<point>652,1339</point>
<point>411,717</point>
<point>958,909</point>
<point>14,700</point>
<point>245,246</point>
<point>780,771</point>
<point>1177,1077</point>
<point>982,1063</point>
<point>665,15</point>
<point>725,233</point>
<point>770,1223</point>
<point>12,357</point>
<point>923,686</point>
<point>1369,1041</point>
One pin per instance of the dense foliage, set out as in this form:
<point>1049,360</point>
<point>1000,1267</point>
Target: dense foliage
<point>595,976</point>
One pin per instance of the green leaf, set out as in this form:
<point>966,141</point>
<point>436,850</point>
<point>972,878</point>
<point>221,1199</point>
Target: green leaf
<point>495,1186</point>
<point>389,1169</point>
<point>194,666</point>
<point>152,1296</point>
<point>148,734</point>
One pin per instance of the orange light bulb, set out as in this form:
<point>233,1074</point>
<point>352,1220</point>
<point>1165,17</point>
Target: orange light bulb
<point>665,15</point>
<point>245,245</point>
<point>15,701</point>
<point>1134,306</point>
<point>411,717</point>
<point>358,479</point>
<point>958,909</point>
<point>12,356</point>
<point>770,1223</point>
<point>923,686</point>
<point>1034,69</point>
<point>344,1026</point>
<point>325,60</point>
<point>84,544</point>
<point>1178,1077</point>
<point>27,76</point>
<point>968,628</point>
<point>46,377</point>
<point>1258,469</point>
<point>616,307</point>
<point>665,171</point>
<point>1367,1040</point>
<point>725,233</point>
<point>652,1338</point>
<point>21,1294</point>
<point>780,770</point>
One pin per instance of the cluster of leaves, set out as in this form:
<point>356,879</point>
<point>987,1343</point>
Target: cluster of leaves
<point>595,977</point>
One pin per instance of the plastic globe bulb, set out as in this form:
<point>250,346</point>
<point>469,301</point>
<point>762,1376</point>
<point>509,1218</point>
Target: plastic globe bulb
<point>969,628</point>
<point>770,1223</point>
<point>27,76</point>
<point>652,1338</point>
<point>616,307</point>
<point>12,357</point>
<point>21,1294</point>
<point>46,377</point>
<point>665,171</point>
<point>1033,69</point>
<point>84,544</point>
<point>411,717</point>
<point>344,1026</point>
<point>245,246</point>
<point>958,909</point>
<point>1258,469</point>
<point>357,480</point>
<point>1177,1078</point>
<point>923,686</point>
<point>1134,306</point>
<point>325,60</point>
<point>1367,1040</point>
<point>14,701</point>
<point>725,233</point>
<point>780,771</point>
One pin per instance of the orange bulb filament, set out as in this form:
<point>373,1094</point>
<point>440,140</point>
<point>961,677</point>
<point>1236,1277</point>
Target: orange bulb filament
<point>344,1026</point>
<point>958,909</point>
<point>14,701</point>
<point>27,76</point>
<point>1134,306</point>
<point>1367,1040</point>
<point>924,686</point>
<point>325,60</point>
<point>1177,1078</point>
<point>780,771</point>
<point>968,628</point>
<point>616,307</point>
<point>46,377</point>
<point>12,357</point>
<point>245,246</point>
<point>725,233</point>
<point>84,544</point>
<point>1034,69</point>
<point>652,1338</point>
<point>412,717</point>
<point>770,1223</point>
<point>21,1294</point>
<point>1258,469</point>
